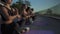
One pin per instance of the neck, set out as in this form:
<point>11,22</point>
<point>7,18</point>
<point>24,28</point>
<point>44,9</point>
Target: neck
<point>7,5</point>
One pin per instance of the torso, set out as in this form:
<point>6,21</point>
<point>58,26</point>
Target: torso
<point>10,12</point>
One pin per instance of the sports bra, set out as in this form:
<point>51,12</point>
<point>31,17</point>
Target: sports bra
<point>10,12</point>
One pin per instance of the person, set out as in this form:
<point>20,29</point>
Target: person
<point>24,16</point>
<point>8,15</point>
<point>33,15</point>
<point>28,15</point>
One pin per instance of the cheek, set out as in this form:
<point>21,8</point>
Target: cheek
<point>9,1</point>
<point>25,7</point>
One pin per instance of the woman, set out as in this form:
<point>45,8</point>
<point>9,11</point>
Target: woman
<point>8,15</point>
<point>33,14</point>
<point>29,19</point>
<point>24,16</point>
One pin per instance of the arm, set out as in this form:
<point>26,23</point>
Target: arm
<point>18,13</point>
<point>9,18</point>
<point>25,14</point>
<point>32,14</point>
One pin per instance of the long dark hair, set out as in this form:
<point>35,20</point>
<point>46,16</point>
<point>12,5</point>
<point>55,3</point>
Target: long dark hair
<point>4,1</point>
<point>32,9</point>
<point>28,9</point>
<point>22,8</point>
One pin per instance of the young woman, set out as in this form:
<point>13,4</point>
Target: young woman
<point>8,15</point>
<point>24,16</point>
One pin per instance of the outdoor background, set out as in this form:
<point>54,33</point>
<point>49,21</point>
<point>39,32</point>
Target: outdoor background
<point>47,20</point>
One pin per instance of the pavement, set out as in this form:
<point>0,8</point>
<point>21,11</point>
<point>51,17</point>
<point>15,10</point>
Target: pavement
<point>45,25</point>
<point>52,16</point>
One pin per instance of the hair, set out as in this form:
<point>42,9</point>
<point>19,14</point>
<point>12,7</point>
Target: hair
<point>32,9</point>
<point>23,4</point>
<point>3,1</point>
<point>28,9</point>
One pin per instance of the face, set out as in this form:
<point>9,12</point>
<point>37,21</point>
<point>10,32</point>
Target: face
<point>26,6</point>
<point>9,1</point>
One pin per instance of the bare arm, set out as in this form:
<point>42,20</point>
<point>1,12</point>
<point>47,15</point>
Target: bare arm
<point>9,18</point>
<point>19,16</point>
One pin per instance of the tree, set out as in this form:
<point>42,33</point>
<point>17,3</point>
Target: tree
<point>19,3</point>
<point>28,3</point>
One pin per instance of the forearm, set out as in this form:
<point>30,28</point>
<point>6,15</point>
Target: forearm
<point>18,16</point>
<point>11,17</point>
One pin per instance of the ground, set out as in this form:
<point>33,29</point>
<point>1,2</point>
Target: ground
<point>45,25</point>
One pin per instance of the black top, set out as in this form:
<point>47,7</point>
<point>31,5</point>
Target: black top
<point>10,12</point>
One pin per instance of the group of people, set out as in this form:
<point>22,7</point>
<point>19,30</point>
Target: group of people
<point>13,20</point>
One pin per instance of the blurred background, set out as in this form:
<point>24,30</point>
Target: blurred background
<point>47,20</point>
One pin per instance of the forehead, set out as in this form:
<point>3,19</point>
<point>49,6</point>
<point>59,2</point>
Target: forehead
<point>25,4</point>
<point>9,0</point>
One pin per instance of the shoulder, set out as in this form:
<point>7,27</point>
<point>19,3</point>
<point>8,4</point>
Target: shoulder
<point>15,9</point>
<point>3,9</point>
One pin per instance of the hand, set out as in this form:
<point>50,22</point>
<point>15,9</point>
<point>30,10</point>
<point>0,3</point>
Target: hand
<point>18,16</point>
<point>27,17</point>
<point>10,19</point>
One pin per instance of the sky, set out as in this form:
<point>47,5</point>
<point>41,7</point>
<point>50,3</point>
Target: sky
<point>42,4</point>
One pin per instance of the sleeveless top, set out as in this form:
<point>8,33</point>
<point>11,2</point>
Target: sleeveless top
<point>10,12</point>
